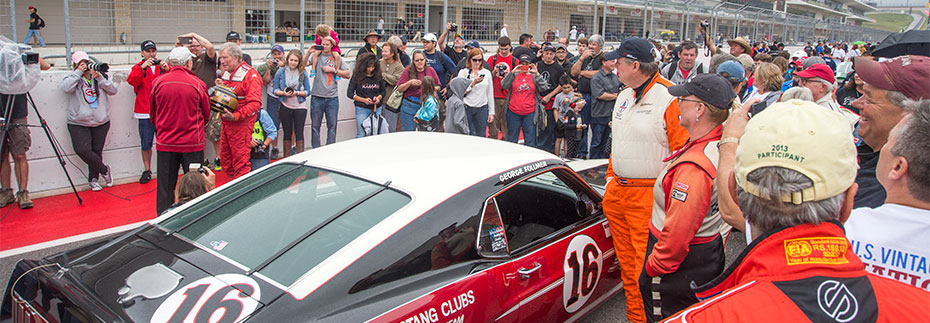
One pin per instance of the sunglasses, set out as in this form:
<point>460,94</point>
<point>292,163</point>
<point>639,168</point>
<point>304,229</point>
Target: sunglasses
<point>476,60</point>
<point>688,100</point>
<point>419,60</point>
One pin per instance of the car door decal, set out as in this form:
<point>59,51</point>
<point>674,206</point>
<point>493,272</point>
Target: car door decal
<point>222,298</point>
<point>583,264</point>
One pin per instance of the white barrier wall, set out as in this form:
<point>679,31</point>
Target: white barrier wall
<point>122,147</point>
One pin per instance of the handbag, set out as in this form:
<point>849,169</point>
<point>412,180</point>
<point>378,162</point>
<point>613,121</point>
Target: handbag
<point>394,100</point>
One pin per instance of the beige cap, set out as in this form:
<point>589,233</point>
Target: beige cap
<point>746,61</point>
<point>801,136</point>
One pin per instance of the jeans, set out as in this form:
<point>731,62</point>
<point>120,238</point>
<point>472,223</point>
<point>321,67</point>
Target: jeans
<point>88,144</point>
<point>272,105</point>
<point>599,131</point>
<point>408,109</point>
<point>257,163</point>
<point>477,120</point>
<point>515,122</point>
<point>360,115</point>
<point>34,32</point>
<point>545,139</point>
<point>391,118</point>
<point>586,119</point>
<point>146,133</point>
<point>318,107</point>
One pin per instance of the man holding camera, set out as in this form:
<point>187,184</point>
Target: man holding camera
<point>737,46</point>
<point>16,143</point>
<point>178,108</point>
<point>235,146</point>
<point>458,51</point>
<point>268,71</point>
<point>140,77</point>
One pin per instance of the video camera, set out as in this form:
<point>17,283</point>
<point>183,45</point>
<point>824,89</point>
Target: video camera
<point>19,68</point>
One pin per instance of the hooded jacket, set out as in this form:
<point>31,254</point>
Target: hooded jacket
<point>80,111</point>
<point>456,121</point>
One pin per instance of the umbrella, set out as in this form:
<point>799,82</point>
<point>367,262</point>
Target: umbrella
<point>859,42</point>
<point>911,42</point>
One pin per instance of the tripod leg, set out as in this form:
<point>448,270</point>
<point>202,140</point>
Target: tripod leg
<point>55,147</point>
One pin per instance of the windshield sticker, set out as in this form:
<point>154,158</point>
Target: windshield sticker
<point>517,172</point>
<point>582,266</point>
<point>222,298</point>
<point>498,239</point>
<point>218,245</point>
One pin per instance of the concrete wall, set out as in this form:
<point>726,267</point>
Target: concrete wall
<point>122,147</point>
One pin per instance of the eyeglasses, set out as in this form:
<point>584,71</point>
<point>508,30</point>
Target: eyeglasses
<point>419,59</point>
<point>476,60</point>
<point>689,100</point>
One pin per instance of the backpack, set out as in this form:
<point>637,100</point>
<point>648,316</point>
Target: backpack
<point>671,70</point>
<point>41,22</point>
<point>375,124</point>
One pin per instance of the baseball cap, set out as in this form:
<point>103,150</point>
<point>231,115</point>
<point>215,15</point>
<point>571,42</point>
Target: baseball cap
<point>634,48</point>
<point>711,88</point>
<point>79,56</point>
<point>277,48</point>
<point>548,47</point>
<point>801,136</point>
<point>472,44</point>
<point>821,71</point>
<point>909,74</point>
<point>31,7</point>
<point>526,58</point>
<point>559,46</point>
<point>148,44</point>
<point>431,37</point>
<point>746,61</point>
<point>233,35</point>
<point>810,61</point>
<point>180,53</point>
<point>735,71</point>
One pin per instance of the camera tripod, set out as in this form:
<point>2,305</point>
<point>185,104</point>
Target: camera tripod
<point>5,125</point>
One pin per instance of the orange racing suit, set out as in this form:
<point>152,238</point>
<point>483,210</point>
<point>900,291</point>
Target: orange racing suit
<point>628,201</point>
<point>236,137</point>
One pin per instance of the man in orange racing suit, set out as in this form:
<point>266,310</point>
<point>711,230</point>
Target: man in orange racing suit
<point>236,137</point>
<point>795,170</point>
<point>645,130</point>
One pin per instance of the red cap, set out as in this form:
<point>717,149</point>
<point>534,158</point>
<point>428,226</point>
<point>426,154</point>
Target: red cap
<point>821,71</point>
<point>909,74</point>
<point>31,7</point>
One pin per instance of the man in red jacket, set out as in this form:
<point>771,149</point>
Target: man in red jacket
<point>795,168</point>
<point>141,77</point>
<point>179,108</point>
<point>236,137</point>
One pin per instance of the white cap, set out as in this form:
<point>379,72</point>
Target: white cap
<point>429,37</point>
<point>180,54</point>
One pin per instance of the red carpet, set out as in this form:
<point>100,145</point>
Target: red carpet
<point>61,216</point>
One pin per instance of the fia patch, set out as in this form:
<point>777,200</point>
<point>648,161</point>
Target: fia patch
<point>816,250</point>
<point>679,195</point>
<point>682,186</point>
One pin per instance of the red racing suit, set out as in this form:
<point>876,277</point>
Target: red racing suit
<point>235,146</point>
<point>685,244</point>
<point>805,273</point>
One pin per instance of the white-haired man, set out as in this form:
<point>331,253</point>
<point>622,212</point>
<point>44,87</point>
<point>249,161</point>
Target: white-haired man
<point>795,169</point>
<point>179,109</point>
<point>236,137</point>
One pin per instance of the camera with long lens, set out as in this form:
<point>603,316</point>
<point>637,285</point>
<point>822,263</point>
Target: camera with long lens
<point>454,27</point>
<point>30,58</point>
<point>99,67</point>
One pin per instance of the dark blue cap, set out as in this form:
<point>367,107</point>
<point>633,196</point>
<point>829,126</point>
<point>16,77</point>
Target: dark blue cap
<point>634,48</point>
<point>472,44</point>
<point>148,44</point>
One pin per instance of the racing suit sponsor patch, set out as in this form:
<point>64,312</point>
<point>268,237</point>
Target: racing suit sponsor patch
<point>816,250</point>
<point>682,186</point>
<point>679,195</point>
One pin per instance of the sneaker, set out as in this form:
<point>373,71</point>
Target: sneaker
<point>146,177</point>
<point>108,177</point>
<point>274,153</point>
<point>216,165</point>
<point>6,196</point>
<point>94,186</point>
<point>22,198</point>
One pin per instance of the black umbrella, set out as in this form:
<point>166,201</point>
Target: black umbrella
<point>911,42</point>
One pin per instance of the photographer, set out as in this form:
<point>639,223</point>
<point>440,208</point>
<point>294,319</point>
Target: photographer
<point>179,108</point>
<point>523,102</point>
<point>140,77</point>
<point>193,185</point>
<point>458,51</point>
<point>17,141</point>
<point>737,46</point>
<point>268,72</point>
<point>88,115</point>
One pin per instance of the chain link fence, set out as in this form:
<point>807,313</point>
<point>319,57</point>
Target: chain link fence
<point>120,25</point>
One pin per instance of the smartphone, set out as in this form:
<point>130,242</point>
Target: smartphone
<point>524,67</point>
<point>186,40</point>
<point>318,47</point>
<point>756,108</point>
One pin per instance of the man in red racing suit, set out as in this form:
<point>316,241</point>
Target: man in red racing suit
<point>795,167</point>
<point>236,135</point>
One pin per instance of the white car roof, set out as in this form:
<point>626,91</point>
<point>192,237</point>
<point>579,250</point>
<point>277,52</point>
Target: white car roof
<point>431,167</point>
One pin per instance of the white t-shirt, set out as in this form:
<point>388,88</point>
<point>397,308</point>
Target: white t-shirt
<point>504,32</point>
<point>572,34</point>
<point>893,241</point>
<point>482,93</point>
<point>839,54</point>
<point>380,23</point>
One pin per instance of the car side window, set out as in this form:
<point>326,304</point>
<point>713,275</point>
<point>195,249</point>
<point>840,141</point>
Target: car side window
<point>534,209</point>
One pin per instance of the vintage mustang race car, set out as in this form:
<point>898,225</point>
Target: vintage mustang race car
<point>405,227</point>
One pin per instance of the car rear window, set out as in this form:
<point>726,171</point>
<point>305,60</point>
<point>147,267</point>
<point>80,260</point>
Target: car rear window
<point>287,219</point>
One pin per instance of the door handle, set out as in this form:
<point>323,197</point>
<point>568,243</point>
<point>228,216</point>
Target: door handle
<point>525,273</point>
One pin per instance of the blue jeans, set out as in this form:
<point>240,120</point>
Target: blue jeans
<point>408,109</point>
<point>545,139</point>
<point>318,107</point>
<point>586,119</point>
<point>146,133</point>
<point>515,123</point>
<point>360,115</point>
<point>34,32</point>
<point>391,118</point>
<point>272,105</point>
<point>259,162</point>
<point>477,120</point>
<point>599,131</point>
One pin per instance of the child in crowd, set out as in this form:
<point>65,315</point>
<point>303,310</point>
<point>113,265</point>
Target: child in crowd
<point>427,117</point>
<point>565,102</point>
<point>323,31</point>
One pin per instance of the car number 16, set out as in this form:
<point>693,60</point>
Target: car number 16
<point>582,266</point>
